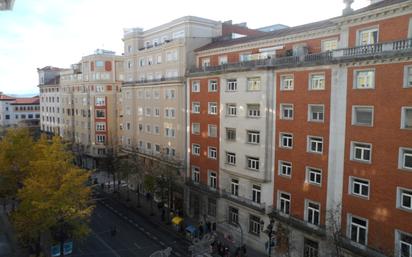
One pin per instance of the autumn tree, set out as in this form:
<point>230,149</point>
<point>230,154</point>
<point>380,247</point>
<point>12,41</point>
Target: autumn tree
<point>16,152</point>
<point>150,187</point>
<point>54,199</point>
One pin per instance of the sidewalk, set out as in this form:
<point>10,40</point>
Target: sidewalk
<point>156,218</point>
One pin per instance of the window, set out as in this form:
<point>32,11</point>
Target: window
<point>205,62</point>
<point>196,128</point>
<point>231,109</point>
<point>196,149</point>
<point>358,229</point>
<point>100,139</point>
<point>253,110</point>
<point>367,36</point>
<point>211,207</point>
<point>212,85</point>
<point>233,216</point>
<point>329,45</point>
<point>252,163</point>
<point>157,112</point>
<point>313,176</point>
<point>253,84</point>
<point>230,158</point>
<point>286,82</point>
<point>212,130</point>
<point>148,128</point>
<point>404,244</point>
<point>195,107</point>
<point>148,111</point>
<point>254,225</point>
<point>157,130</point>
<point>362,115</point>
<point>286,140</point>
<point>315,144</point>
<point>253,137</point>
<point>317,82</point>
<point>156,93</point>
<point>196,174</point>
<point>405,158</point>
<point>312,212</point>
<point>407,81</point>
<point>359,187</point>
<point>286,111</point>
<point>404,197</point>
<point>364,79</point>
<point>231,85</point>
<point>256,193</point>
<point>170,93</point>
<point>100,101</point>
<point>285,168</point>
<point>196,86</point>
<point>169,132</point>
<point>234,187</point>
<point>99,64</point>
<point>406,118</point>
<point>212,108</point>
<point>212,153</point>
<point>316,113</point>
<point>310,248</point>
<point>231,134</point>
<point>212,180</point>
<point>100,114</point>
<point>170,113</point>
<point>148,94</point>
<point>100,126</point>
<point>284,203</point>
<point>361,152</point>
<point>222,59</point>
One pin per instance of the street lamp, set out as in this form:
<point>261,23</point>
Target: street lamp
<point>270,232</point>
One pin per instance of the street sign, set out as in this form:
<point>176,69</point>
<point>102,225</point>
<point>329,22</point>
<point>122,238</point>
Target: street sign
<point>55,250</point>
<point>67,247</point>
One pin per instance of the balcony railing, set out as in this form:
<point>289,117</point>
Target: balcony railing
<point>146,81</point>
<point>202,187</point>
<point>245,201</point>
<point>339,55</point>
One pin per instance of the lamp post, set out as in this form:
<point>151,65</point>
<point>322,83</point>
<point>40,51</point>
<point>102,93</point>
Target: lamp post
<point>270,232</point>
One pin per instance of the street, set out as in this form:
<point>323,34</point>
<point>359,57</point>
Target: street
<point>135,235</point>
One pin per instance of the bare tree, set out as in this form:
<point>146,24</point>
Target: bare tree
<point>334,230</point>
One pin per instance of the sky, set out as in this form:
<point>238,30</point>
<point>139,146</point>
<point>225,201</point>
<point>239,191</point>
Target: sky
<point>58,33</point>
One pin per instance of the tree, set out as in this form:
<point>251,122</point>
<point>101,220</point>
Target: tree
<point>150,186</point>
<point>54,199</point>
<point>334,229</point>
<point>16,152</point>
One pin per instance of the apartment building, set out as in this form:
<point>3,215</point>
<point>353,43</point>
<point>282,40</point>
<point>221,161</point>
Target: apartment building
<point>333,138</point>
<point>80,104</point>
<point>19,111</point>
<point>152,119</point>
<point>50,104</point>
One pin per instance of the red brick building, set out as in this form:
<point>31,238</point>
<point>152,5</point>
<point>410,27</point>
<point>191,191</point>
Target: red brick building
<point>337,134</point>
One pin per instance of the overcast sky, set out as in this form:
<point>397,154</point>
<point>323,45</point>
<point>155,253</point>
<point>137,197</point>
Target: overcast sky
<point>38,33</point>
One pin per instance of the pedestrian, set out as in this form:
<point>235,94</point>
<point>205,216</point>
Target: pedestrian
<point>113,231</point>
<point>163,214</point>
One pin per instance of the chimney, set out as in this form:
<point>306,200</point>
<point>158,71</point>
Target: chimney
<point>348,9</point>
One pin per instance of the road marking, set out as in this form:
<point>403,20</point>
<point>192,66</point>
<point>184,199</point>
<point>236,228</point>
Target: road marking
<point>138,246</point>
<point>105,244</point>
<point>142,229</point>
<point>177,254</point>
<point>155,238</point>
<point>148,233</point>
<point>163,244</point>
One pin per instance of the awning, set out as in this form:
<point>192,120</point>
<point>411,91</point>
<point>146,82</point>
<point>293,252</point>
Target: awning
<point>177,220</point>
<point>191,229</point>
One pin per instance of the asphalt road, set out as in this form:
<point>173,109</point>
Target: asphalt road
<point>136,235</point>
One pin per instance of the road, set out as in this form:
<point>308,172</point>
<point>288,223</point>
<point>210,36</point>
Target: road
<point>136,235</point>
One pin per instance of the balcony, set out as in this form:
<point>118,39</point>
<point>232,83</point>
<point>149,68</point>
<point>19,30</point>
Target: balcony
<point>154,81</point>
<point>373,51</point>
<point>261,207</point>
<point>152,154</point>
<point>202,188</point>
<point>299,224</point>
<point>168,41</point>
